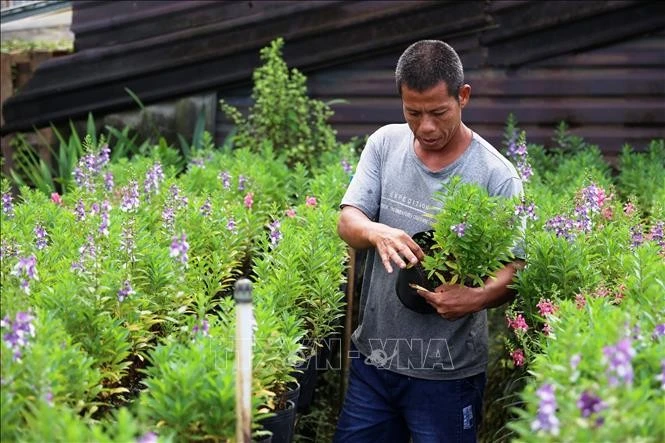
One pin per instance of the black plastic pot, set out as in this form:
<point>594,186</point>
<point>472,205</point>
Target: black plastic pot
<point>306,377</point>
<point>264,439</point>
<point>416,274</point>
<point>281,424</point>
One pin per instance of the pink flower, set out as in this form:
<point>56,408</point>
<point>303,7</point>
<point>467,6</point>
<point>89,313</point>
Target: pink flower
<point>518,323</point>
<point>518,357</point>
<point>545,307</point>
<point>55,198</point>
<point>290,212</point>
<point>607,212</point>
<point>310,201</point>
<point>547,329</point>
<point>629,209</point>
<point>249,200</point>
<point>580,301</point>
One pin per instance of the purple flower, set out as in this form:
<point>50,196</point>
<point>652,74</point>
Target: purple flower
<point>206,208</point>
<point>20,331</point>
<point>130,197</point>
<point>203,328</point>
<point>524,169</point>
<point>104,157</point>
<point>108,181</point>
<point>459,229</point>
<point>40,236</point>
<point>231,225</point>
<point>659,331</point>
<point>589,404</point>
<point>88,253</point>
<point>619,362</point>
<point>241,182</point>
<point>575,361</point>
<point>527,210</point>
<point>168,217</point>
<point>656,233</point>
<point>127,243</point>
<point>178,200</point>
<point>7,205</point>
<point>275,233</point>
<point>637,238</point>
<point>153,177</point>
<point>546,419</point>
<point>79,210</point>
<point>226,179</point>
<point>179,248</point>
<point>48,397</point>
<point>104,226</point>
<point>149,437</point>
<point>562,227</point>
<point>125,291</point>
<point>26,270</point>
<point>346,166</point>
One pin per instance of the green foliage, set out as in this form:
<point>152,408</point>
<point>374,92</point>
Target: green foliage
<point>642,177</point>
<point>631,411</point>
<point>17,45</point>
<point>473,234</point>
<point>282,114</point>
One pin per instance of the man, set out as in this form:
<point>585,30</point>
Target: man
<point>418,376</point>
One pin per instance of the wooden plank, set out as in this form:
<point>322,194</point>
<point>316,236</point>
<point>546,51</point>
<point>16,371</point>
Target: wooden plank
<point>533,17</point>
<point>111,24</point>
<point>616,82</point>
<point>577,35</point>
<point>647,52</point>
<point>534,110</point>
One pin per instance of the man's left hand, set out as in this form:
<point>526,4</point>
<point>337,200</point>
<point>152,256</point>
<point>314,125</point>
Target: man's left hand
<point>453,301</point>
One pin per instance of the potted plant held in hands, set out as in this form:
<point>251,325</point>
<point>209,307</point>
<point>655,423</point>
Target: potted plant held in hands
<point>473,236</point>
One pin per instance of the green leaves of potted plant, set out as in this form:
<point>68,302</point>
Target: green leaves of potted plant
<point>473,236</point>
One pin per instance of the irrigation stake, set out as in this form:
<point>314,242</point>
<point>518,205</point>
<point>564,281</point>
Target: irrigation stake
<point>243,298</point>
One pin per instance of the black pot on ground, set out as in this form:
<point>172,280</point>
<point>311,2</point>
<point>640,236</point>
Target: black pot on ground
<point>306,376</point>
<point>327,356</point>
<point>281,424</point>
<point>263,439</point>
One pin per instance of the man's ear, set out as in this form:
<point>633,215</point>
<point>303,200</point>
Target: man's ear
<point>464,94</point>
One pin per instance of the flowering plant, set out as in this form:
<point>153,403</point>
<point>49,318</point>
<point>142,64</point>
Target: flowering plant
<point>474,234</point>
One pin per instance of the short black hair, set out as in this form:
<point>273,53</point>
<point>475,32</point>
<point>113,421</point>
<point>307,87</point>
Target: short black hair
<point>426,63</point>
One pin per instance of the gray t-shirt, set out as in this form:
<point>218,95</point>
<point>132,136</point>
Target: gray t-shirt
<point>392,186</point>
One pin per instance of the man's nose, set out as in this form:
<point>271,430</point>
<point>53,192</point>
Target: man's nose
<point>427,124</point>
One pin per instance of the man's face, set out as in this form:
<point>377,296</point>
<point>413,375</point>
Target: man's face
<point>433,115</point>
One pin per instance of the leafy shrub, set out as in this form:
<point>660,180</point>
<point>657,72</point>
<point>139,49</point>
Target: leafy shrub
<point>282,114</point>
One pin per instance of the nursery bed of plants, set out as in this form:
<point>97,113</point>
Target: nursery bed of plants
<point>118,268</point>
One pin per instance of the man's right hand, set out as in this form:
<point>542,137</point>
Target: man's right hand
<point>393,245</point>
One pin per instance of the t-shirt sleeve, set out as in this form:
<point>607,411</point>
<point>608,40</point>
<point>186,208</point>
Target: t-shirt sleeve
<point>364,191</point>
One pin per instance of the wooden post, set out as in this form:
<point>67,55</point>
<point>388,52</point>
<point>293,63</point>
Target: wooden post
<point>244,320</point>
<point>348,322</point>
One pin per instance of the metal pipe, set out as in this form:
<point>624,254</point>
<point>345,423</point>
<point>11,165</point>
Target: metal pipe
<point>244,320</point>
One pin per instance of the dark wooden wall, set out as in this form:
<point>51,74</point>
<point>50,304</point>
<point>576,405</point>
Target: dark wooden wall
<point>610,95</point>
<point>599,65</point>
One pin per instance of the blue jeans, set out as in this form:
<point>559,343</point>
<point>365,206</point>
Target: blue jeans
<point>383,406</point>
